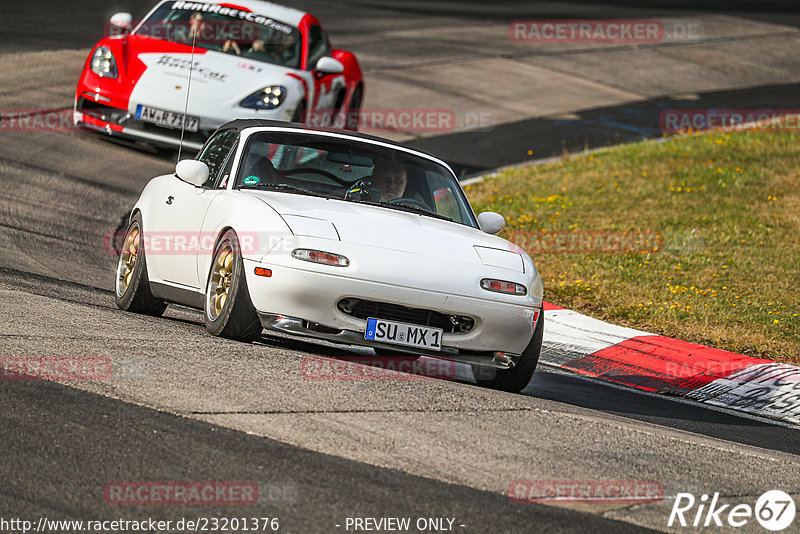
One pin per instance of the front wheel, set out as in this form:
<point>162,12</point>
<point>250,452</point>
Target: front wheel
<point>354,110</point>
<point>515,379</point>
<point>229,312</point>
<point>300,113</point>
<point>132,287</point>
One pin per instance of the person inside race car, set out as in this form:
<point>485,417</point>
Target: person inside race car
<point>231,47</point>
<point>390,178</point>
<point>196,27</point>
<point>257,47</point>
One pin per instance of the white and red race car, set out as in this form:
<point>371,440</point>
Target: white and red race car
<point>248,59</point>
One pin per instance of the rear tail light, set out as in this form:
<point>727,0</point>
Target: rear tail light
<point>500,286</point>
<point>318,256</point>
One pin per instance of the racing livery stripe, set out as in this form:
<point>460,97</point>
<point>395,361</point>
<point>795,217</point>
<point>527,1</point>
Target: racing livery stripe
<point>305,90</point>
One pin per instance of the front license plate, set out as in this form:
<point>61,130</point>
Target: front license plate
<point>166,118</point>
<point>409,335</point>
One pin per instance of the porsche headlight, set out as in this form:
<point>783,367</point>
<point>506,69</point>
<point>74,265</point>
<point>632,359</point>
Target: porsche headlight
<point>103,63</point>
<point>268,98</point>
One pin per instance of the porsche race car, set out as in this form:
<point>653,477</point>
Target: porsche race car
<point>212,63</point>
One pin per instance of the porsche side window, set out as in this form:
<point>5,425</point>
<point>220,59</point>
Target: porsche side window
<point>317,45</point>
<point>215,151</point>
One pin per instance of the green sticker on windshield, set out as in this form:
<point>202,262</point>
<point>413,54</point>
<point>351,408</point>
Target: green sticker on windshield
<point>251,180</point>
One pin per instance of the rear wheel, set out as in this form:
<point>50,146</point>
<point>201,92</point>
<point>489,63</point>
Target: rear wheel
<point>132,287</point>
<point>229,312</point>
<point>518,377</point>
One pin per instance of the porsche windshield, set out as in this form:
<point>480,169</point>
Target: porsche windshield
<point>352,171</point>
<point>225,29</point>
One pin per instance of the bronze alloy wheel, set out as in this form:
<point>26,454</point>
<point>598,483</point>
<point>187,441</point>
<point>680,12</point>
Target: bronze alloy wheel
<point>127,258</point>
<point>220,283</point>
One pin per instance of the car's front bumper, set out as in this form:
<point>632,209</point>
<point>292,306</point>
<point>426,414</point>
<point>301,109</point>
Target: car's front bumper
<point>309,299</point>
<point>296,326</point>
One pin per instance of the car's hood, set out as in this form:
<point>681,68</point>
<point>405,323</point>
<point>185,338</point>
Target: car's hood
<point>387,228</point>
<point>162,68</point>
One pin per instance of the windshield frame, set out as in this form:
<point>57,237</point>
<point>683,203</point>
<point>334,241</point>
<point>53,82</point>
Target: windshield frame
<point>297,60</point>
<point>247,136</point>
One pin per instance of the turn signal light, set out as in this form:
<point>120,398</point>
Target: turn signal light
<point>318,256</point>
<point>263,271</point>
<point>500,286</point>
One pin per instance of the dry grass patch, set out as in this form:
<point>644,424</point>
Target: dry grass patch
<point>719,214</point>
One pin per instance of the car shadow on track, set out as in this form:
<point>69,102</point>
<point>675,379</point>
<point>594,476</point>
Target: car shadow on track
<point>593,394</point>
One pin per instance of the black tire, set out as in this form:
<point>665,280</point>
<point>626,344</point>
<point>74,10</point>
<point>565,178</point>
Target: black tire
<point>237,319</point>
<point>300,114</point>
<point>354,110</point>
<point>517,378</point>
<point>135,295</point>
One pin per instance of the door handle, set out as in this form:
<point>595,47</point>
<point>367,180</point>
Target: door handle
<point>170,199</point>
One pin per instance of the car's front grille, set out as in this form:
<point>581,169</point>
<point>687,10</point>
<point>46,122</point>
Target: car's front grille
<point>101,111</point>
<point>362,309</point>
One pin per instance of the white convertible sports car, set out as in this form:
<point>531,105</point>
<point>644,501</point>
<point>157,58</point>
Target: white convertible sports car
<point>338,236</point>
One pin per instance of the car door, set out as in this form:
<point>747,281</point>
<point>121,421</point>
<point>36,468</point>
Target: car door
<point>184,209</point>
<point>326,86</point>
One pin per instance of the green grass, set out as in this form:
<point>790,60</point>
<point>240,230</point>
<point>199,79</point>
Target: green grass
<point>722,209</point>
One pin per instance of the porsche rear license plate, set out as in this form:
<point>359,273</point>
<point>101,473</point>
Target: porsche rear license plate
<point>166,118</point>
<point>409,335</point>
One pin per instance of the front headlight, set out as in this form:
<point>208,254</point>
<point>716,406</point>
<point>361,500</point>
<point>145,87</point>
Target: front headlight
<point>268,98</point>
<point>103,63</point>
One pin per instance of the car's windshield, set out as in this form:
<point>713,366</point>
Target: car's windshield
<point>352,171</point>
<point>225,29</point>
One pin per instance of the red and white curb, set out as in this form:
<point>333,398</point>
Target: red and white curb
<point>659,364</point>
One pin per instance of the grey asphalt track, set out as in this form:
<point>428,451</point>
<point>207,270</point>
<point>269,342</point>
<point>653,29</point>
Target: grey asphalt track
<point>181,405</point>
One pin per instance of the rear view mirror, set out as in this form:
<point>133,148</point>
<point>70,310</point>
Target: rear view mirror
<point>329,65</point>
<point>192,171</point>
<point>122,20</point>
<point>491,222</point>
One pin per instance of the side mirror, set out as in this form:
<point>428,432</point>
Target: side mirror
<point>192,171</point>
<point>122,21</point>
<point>329,65</point>
<point>491,222</point>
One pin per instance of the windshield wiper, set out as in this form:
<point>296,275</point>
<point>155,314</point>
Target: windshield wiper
<point>287,188</point>
<point>410,209</point>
